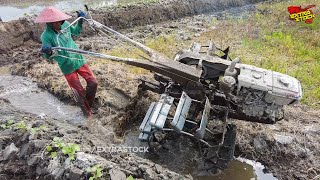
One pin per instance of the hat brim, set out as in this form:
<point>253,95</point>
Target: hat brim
<point>51,14</point>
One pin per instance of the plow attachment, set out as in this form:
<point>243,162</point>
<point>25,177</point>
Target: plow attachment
<point>199,92</point>
<point>180,117</point>
<point>157,118</point>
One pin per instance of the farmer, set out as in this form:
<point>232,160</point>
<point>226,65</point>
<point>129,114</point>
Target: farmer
<point>70,64</point>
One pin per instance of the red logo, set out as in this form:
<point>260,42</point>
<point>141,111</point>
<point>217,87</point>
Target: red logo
<point>302,14</point>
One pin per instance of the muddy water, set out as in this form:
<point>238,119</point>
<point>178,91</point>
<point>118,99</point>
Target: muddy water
<point>12,10</point>
<point>182,157</point>
<point>26,96</point>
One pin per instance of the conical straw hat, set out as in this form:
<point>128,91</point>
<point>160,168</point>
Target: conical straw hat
<point>51,14</point>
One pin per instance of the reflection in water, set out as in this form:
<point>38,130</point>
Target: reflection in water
<point>258,169</point>
<point>16,9</point>
<point>242,169</point>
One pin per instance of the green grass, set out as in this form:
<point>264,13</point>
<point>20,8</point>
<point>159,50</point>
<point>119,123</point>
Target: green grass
<point>290,47</point>
<point>163,44</point>
<point>272,41</point>
<point>130,52</point>
<point>166,45</point>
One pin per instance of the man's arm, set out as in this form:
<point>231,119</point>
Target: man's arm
<point>76,29</point>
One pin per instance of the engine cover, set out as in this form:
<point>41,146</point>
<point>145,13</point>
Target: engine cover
<point>280,89</point>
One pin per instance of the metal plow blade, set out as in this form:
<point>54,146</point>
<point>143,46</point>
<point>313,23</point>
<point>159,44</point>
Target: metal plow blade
<point>170,114</point>
<point>181,116</point>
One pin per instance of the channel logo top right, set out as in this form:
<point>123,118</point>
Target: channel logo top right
<point>299,14</point>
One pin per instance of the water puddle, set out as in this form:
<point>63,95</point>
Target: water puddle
<point>26,96</point>
<point>182,158</point>
<point>12,10</point>
<point>242,169</point>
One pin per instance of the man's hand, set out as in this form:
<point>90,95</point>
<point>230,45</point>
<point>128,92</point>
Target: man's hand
<point>81,14</point>
<point>46,49</point>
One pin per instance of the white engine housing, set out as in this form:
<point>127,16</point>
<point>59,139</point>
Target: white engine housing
<point>280,89</point>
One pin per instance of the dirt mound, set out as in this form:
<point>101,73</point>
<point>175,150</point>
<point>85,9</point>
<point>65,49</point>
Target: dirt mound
<point>16,33</point>
<point>142,14</point>
<point>19,41</point>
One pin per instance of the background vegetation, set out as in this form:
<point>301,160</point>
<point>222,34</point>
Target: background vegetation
<point>265,38</point>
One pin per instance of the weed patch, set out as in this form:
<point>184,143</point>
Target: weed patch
<point>268,39</point>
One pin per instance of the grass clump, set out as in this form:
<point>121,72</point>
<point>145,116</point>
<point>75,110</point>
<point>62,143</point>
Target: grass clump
<point>126,52</point>
<point>58,145</point>
<point>7,124</point>
<point>163,44</point>
<point>11,124</point>
<point>96,172</point>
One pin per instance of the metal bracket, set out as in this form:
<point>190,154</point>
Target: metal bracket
<point>204,120</point>
<point>181,112</point>
<point>145,127</point>
<point>161,111</point>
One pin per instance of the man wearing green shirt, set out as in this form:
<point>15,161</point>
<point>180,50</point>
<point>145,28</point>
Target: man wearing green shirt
<point>57,34</point>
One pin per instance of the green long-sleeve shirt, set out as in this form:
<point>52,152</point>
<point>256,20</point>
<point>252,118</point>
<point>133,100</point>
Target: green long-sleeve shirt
<point>68,62</point>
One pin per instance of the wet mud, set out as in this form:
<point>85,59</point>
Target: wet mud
<point>287,150</point>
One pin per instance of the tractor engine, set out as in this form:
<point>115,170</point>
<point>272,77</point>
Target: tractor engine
<point>260,93</point>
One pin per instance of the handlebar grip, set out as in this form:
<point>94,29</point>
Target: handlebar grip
<point>86,6</point>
